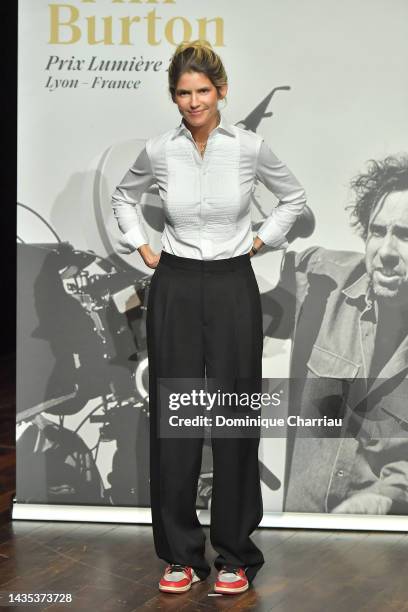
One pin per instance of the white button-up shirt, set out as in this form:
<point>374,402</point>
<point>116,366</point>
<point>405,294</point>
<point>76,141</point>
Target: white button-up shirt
<point>206,200</point>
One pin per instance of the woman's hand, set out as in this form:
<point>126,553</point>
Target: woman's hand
<point>150,258</point>
<point>257,244</point>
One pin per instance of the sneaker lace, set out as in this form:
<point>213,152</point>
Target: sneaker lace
<point>230,569</point>
<point>175,567</point>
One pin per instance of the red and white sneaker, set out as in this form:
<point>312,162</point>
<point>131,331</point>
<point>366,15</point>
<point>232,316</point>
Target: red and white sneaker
<point>177,578</point>
<point>231,580</point>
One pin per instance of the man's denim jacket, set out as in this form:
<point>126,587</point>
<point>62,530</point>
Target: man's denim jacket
<point>323,303</point>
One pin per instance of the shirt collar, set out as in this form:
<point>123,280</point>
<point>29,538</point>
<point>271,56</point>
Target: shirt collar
<point>223,126</point>
<point>360,290</point>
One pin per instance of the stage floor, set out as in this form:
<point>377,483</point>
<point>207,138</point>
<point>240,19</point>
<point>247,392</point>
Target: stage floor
<point>111,567</point>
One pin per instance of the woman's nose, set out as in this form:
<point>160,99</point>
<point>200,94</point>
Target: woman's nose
<point>194,99</point>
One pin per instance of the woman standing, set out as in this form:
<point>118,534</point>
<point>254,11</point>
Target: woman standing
<point>204,312</point>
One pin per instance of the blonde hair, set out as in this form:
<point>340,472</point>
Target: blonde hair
<point>196,56</point>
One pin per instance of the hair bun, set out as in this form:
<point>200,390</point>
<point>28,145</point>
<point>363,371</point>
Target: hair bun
<point>200,43</point>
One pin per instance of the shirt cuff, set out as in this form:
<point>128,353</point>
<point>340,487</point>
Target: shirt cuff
<point>135,237</point>
<point>272,236</point>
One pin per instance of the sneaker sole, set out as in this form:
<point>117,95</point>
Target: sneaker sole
<point>174,589</point>
<point>226,591</point>
<point>170,589</point>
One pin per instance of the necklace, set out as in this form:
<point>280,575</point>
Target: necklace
<point>202,145</point>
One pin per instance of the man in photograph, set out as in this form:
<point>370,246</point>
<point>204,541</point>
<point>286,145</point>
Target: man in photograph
<point>347,315</point>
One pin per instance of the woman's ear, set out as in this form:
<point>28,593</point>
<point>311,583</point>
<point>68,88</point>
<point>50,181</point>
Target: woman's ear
<point>222,91</point>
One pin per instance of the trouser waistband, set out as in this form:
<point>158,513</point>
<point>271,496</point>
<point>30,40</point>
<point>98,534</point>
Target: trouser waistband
<point>187,263</point>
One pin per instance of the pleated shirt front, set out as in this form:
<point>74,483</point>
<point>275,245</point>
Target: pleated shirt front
<point>206,200</point>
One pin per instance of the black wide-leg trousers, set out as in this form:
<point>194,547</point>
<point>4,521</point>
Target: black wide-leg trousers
<point>204,319</point>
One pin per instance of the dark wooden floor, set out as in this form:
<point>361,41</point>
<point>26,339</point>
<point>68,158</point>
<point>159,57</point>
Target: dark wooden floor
<point>114,567</point>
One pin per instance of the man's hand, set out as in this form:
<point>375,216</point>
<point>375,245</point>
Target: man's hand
<point>150,258</point>
<point>364,503</point>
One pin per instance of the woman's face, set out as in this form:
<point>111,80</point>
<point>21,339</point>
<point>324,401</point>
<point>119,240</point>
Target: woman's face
<point>196,98</point>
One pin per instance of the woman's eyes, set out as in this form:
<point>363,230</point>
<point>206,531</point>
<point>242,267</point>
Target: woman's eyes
<point>186,93</point>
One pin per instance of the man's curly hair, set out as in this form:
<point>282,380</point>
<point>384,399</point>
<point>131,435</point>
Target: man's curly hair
<point>381,178</point>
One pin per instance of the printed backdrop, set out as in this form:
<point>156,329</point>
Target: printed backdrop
<point>323,81</point>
